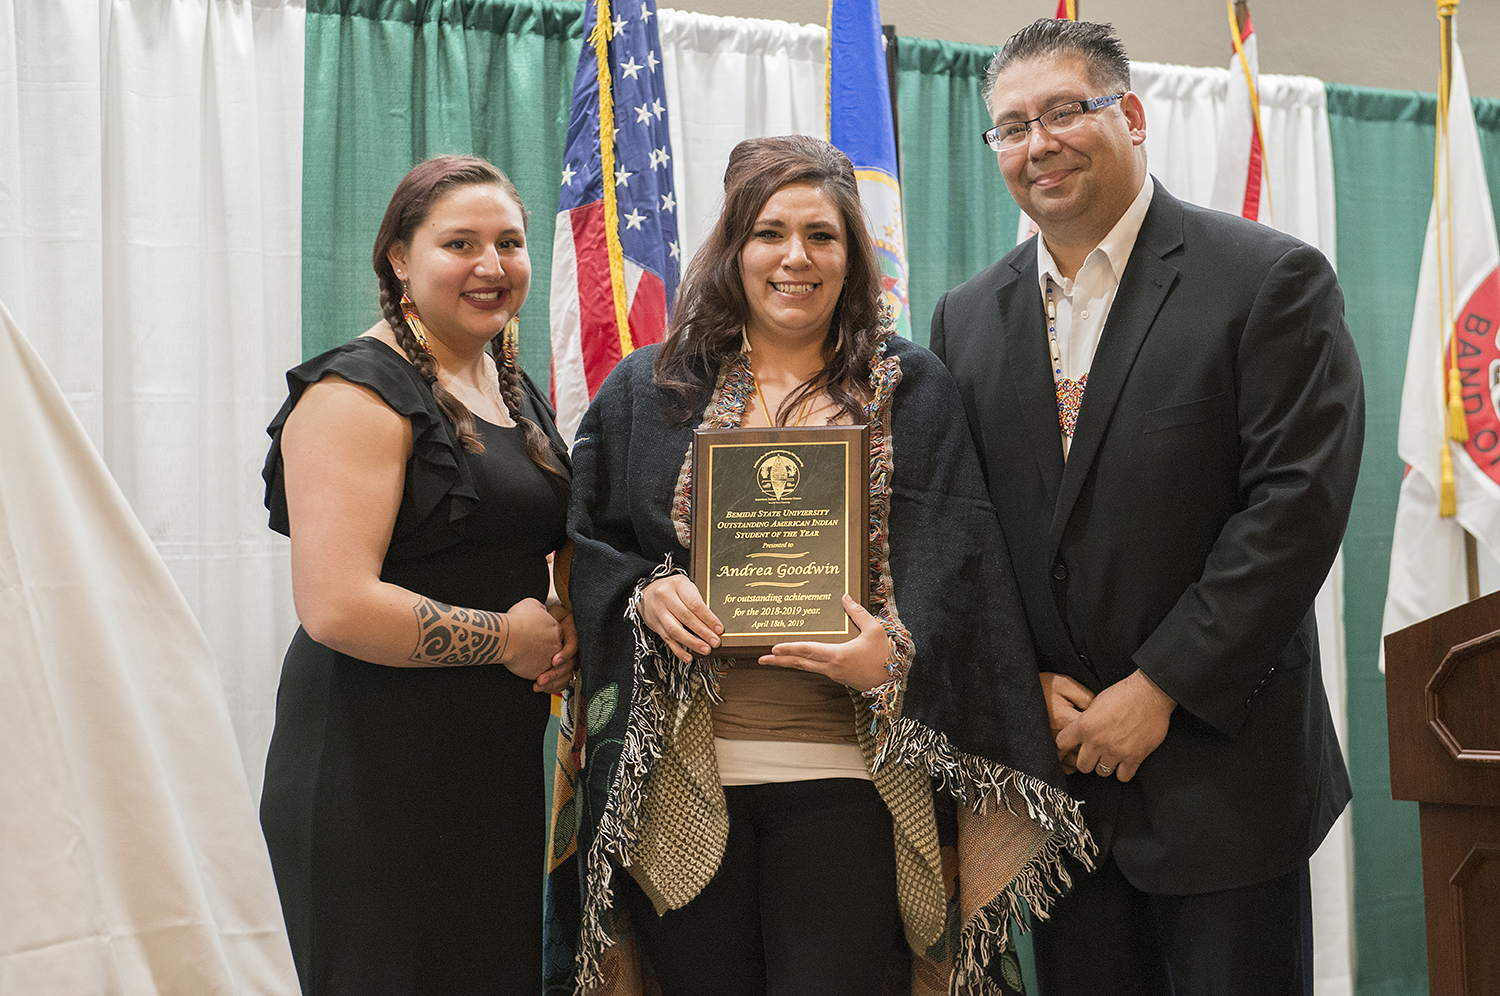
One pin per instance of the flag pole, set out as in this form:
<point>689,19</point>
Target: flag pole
<point>1457,422</point>
<point>1447,494</point>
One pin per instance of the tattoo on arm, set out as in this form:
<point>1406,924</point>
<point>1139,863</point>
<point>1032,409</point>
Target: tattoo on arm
<point>449,637</point>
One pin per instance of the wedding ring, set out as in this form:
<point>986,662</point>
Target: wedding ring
<point>1104,769</point>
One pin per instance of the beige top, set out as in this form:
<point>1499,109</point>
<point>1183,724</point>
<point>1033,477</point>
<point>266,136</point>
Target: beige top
<point>773,703</point>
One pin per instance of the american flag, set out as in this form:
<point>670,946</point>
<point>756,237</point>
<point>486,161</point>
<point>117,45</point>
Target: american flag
<point>616,256</point>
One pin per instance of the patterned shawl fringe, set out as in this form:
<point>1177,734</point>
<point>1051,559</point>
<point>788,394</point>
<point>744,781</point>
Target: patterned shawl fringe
<point>661,683</point>
<point>977,782</point>
<point>986,936</point>
<point>980,783</point>
<point>726,410</point>
<point>885,376</point>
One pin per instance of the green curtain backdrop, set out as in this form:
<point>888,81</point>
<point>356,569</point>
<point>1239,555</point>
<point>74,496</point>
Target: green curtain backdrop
<point>959,216</point>
<point>1382,165</point>
<point>391,82</point>
<point>1382,156</point>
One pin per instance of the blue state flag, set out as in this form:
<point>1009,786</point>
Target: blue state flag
<point>860,124</point>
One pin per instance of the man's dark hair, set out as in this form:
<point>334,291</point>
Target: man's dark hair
<point>1096,44</point>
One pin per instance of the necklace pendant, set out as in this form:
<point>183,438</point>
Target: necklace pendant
<point>1070,402</point>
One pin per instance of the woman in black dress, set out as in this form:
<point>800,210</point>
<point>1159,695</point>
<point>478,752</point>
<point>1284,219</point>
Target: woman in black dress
<point>424,488</point>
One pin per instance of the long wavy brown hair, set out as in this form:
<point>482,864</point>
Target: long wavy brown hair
<point>409,207</point>
<point>711,309</point>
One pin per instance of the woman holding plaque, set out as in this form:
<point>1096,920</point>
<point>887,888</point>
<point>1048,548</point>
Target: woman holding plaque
<point>424,488</point>
<point>774,815</point>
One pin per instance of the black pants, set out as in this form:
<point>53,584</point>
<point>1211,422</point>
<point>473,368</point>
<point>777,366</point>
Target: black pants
<point>804,903</point>
<point>1107,938</point>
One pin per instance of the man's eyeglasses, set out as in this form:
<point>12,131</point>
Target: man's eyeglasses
<point>1062,118</point>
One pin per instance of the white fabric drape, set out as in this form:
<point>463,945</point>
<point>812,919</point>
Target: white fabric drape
<point>1185,108</point>
<point>150,228</point>
<point>131,863</point>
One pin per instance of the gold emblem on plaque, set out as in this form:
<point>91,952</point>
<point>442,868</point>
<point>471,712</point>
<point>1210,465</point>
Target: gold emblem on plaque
<point>778,473</point>
<point>780,532</point>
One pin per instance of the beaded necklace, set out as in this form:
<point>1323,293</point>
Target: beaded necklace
<point>1069,391</point>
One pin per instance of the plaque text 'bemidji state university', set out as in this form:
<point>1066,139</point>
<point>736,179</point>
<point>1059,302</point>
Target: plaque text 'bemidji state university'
<point>780,532</point>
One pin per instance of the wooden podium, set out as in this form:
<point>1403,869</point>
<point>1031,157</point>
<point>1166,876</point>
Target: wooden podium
<point>1442,696</point>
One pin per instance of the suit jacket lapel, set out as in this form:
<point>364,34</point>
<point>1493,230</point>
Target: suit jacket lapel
<point>1147,281</point>
<point>1024,343</point>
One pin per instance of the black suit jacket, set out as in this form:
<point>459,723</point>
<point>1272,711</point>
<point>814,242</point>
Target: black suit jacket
<point>1188,533</point>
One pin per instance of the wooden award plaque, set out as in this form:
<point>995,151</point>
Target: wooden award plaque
<point>780,532</point>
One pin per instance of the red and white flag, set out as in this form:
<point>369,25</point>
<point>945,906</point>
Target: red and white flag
<point>1454,327</point>
<point>1241,184</point>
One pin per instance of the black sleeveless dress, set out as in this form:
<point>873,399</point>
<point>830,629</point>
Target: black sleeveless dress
<point>404,807</point>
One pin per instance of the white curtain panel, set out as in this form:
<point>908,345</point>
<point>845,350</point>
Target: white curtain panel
<point>150,228</point>
<point>1184,109</point>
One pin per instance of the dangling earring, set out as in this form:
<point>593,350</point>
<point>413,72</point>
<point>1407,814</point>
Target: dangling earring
<point>510,342</point>
<point>414,322</point>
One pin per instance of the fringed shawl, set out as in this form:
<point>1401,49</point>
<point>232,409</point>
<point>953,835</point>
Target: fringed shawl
<point>964,709</point>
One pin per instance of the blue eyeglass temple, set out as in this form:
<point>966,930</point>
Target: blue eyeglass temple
<point>1095,103</point>
<point>1091,104</point>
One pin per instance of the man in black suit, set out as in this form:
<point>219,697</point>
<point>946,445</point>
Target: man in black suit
<point>1170,410</point>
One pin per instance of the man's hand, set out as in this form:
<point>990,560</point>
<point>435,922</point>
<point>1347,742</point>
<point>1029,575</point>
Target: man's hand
<point>1119,729</point>
<point>1066,700</point>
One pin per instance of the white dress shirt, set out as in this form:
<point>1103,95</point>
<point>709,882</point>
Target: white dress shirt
<point>1082,304</point>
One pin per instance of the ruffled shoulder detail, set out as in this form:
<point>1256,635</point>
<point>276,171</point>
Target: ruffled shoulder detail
<point>439,489</point>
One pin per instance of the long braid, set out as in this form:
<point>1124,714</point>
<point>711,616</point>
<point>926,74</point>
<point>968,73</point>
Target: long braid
<point>538,446</point>
<point>456,411</point>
